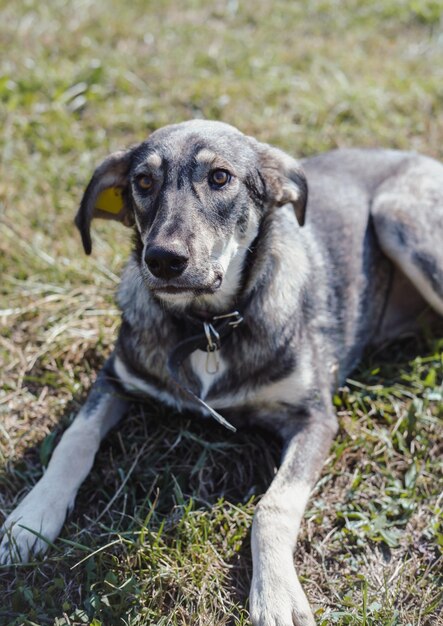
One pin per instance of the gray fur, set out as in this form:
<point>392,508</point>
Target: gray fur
<point>315,283</point>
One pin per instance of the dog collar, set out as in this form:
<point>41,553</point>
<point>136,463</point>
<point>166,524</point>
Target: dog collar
<point>209,339</point>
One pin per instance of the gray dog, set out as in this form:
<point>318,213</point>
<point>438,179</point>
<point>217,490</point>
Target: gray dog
<point>242,297</point>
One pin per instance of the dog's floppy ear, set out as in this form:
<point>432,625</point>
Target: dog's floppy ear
<point>106,195</point>
<point>284,179</point>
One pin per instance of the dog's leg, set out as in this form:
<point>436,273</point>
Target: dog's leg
<point>408,218</point>
<point>45,507</point>
<point>277,598</point>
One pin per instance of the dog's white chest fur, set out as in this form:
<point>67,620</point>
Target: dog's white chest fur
<point>208,368</point>
<point>288,390</point>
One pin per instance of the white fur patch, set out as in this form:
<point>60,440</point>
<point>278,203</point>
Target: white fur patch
<point>43,511</point>
<point>199,363</point>
<point>230,255</point>
<point>133,383</point>
<point>276,594</point>
<point>177,301</point>
<point>154,160</point>
<point>292,388</point>
<point>289,390</point>
<point>206,156</point>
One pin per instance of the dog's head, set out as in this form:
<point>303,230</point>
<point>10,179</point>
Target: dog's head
<point>196,194</point>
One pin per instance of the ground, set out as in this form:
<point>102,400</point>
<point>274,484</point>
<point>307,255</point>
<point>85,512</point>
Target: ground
<point>160,533</point>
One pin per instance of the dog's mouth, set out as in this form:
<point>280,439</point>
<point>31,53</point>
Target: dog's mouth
<point>189,290</point>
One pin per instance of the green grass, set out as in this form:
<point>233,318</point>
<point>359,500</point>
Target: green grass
<point>165,540</point>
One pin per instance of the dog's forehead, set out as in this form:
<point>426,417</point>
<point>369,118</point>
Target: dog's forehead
<point>196,140</point>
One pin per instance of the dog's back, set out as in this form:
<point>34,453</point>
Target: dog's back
<point>370,295</point>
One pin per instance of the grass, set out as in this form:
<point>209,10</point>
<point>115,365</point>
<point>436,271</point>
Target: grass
<point>165,540</point>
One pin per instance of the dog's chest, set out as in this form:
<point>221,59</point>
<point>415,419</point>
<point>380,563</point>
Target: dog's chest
<point>208,368</point>
<point>217,383</point>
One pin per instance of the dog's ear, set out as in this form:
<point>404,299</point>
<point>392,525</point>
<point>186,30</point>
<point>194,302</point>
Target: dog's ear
<point>284,179</point>
<point>107,195</point>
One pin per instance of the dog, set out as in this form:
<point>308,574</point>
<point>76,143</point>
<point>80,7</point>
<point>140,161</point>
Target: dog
<point>245,301</point>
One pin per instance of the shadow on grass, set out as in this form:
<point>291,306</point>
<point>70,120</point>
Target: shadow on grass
<point>166,508</point>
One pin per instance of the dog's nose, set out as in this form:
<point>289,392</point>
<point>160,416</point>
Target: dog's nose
<point>166,263</point>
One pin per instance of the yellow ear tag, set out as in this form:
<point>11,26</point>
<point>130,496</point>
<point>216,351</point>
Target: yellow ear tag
<point>110,200</point>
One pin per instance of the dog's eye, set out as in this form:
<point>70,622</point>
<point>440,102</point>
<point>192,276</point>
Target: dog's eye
<point>145,182</point>
<point>219,178</point>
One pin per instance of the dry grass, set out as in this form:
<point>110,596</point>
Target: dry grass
<point>78,80</point>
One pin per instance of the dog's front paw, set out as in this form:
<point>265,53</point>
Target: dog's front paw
<point>277,599</point>
<point>40,512</point>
